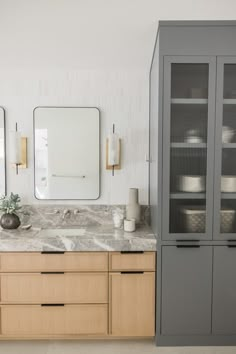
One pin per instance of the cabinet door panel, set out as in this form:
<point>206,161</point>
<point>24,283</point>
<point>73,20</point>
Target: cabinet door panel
<point>224,290</point>
<point>188,147</point>
<point>225,150</point>
<point>132,304</point>
<point>186,290</point>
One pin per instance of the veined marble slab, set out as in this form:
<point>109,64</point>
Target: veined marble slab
<point>86,238</point>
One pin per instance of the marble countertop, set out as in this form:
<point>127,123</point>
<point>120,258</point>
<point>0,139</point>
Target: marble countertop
<point>88,238</point>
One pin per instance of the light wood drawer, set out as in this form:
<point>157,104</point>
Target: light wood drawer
<point>69,261</point>
<point>46,320</point>
<point>54,288</point>
<point>132,261</point>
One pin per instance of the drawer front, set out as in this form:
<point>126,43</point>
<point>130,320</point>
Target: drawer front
<point>54,288</point>
<point>132,261</point>
<point>69,261</point>
<point>57,320</point>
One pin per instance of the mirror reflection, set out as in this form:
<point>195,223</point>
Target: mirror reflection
<point>67,153</point>
<point>2,153</point>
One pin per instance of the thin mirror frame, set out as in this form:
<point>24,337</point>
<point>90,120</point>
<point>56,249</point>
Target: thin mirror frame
<point>4,147</point>
<point>99,162</point>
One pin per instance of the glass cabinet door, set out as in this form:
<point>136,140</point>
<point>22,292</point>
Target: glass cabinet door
<point>225,145</point>
<point>188,147</point>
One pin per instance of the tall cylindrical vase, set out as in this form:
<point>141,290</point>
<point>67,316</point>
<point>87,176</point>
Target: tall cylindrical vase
<point>133,209</point>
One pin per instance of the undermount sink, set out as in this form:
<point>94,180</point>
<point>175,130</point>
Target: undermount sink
<point>62,232</point>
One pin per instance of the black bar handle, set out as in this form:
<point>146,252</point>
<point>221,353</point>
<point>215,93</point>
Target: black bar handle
<point>129,252</point>
<point>231,240</point>
<point>187,240</point>
<point>231,246</point>
<point>188,246</point>
<point>59,305</point>
<point>52,272</point>
<point>131,272</point>
<point>52,252</point>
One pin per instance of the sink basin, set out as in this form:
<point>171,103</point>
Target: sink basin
<point>62,232</point>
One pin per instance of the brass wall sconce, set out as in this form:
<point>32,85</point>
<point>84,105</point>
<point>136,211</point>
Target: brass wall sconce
<point>19,150</point>
<point>113,151</point>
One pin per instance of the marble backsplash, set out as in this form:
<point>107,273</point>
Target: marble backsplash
<point>56,216</point>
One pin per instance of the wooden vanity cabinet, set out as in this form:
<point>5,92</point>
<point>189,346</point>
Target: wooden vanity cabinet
<point>77,294</point>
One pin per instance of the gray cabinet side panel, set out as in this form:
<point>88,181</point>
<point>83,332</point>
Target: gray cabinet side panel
<point>224,291</point>
<point>155,138</point>
<point>186,290</point>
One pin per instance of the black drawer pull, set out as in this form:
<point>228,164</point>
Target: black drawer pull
<point>187,240</point>
<point>188,246</point>
<point>231,246</point>
<point>59,305</point>
<point>52,272</point>
<point>52,252</point>
<point>131,272</point>
<point>130,252</point>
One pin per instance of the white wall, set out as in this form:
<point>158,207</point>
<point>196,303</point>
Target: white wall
<point>88,53</point>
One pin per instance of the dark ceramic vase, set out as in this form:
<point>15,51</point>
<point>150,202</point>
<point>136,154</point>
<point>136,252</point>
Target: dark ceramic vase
<point>10,221</point>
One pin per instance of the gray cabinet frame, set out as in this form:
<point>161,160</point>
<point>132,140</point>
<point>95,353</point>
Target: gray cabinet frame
<point>221,60</point>
<point>211,61</point>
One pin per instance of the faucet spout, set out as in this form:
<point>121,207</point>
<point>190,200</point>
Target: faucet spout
<point>65,213</point>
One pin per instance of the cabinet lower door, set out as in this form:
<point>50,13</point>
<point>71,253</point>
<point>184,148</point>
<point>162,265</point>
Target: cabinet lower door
<point>186,290</point>
<point>132,304</point>
<point>224,290</point>
<point>31,320</point>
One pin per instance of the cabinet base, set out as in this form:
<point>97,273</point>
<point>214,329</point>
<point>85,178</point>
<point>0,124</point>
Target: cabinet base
<point>72,337</point>
<point>191,341</point>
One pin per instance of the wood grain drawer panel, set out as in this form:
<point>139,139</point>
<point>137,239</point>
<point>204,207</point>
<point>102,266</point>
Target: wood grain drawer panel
<point>54,288</point>
<point>69,261</point>
<point>45,320</point>
<point>132,304</point>
<point>132,261</point>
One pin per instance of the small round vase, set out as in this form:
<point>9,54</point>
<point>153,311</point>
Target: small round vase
<point>10,221</point>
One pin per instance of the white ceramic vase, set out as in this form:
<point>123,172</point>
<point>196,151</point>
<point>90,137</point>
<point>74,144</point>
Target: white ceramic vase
<point>133,209</point>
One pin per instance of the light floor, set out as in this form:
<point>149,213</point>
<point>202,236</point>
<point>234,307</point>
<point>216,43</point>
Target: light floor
<point>101,347</point>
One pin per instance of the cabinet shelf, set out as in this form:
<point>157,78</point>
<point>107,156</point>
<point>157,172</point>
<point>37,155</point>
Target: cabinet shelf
<point>228,195</point>
<point>189,145</point>
<point>190,101</point>
<point>182,195</point>
<point>229,146</point>
<point>229,101</point>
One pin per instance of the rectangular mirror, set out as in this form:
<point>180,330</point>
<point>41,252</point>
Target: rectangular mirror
<point>2,153</point>
<point>67,152</point>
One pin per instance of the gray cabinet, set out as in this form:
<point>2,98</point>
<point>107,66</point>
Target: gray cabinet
<point>186,290</point>
<point>193,181</point>
<point>224,290</point>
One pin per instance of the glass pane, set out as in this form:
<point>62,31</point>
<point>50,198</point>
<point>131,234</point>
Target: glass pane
<point>227,216</point>
<point>189,81</point>
<point>189,123</point>
<point>229,81</point>
<point>188,150</point>
<point>228,166</point>
<point>188,216</point>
